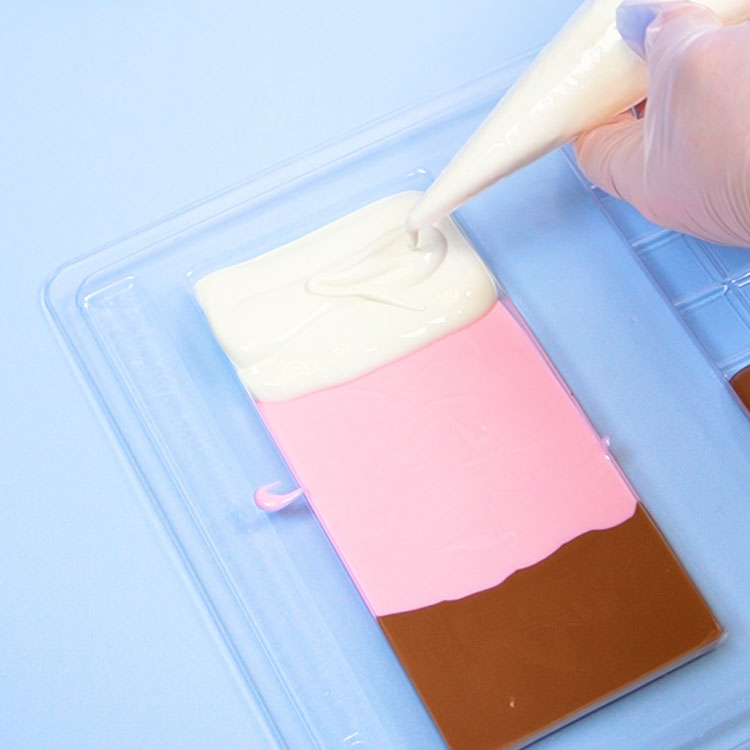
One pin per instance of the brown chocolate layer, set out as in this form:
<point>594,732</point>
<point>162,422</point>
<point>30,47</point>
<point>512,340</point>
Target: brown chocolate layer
<point>741,384</point>
<point>605,612</point>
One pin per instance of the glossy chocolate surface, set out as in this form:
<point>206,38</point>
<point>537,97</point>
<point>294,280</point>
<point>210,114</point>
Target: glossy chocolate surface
<point>606,612</point>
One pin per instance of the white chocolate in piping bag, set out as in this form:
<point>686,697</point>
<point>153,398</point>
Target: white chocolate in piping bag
<point>582,78</point>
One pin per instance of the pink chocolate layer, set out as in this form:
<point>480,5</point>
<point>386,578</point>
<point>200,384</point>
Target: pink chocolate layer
<point>441,474</point>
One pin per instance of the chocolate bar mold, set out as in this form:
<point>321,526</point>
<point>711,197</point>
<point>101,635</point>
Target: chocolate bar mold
<point>314,667</point>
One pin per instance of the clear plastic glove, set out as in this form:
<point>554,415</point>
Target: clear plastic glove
<point>686,164</point>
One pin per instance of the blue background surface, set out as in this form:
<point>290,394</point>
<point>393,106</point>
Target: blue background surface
<point>114,114</point>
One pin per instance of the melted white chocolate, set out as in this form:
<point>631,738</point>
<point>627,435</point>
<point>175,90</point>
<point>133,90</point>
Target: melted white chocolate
<point>344,300</point>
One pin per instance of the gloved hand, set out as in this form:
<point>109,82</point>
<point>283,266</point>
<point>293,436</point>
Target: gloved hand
<point>686,164</point>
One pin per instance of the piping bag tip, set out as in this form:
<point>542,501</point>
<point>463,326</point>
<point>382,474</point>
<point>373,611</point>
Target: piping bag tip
<point>412,228</point>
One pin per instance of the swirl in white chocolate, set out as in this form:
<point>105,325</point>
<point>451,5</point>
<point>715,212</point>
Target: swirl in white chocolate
<point>344,300</point>
<point>393,261</point>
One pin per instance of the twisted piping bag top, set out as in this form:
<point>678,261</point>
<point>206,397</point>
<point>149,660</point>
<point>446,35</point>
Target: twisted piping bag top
<point>583,77</point>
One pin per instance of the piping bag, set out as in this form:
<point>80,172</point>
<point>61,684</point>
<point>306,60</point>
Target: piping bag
<point>586,75</point>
